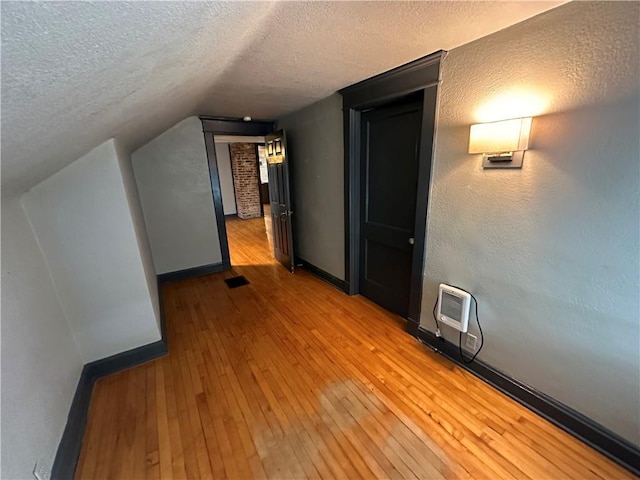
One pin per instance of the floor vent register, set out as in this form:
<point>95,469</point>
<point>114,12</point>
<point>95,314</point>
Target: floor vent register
<point>235,282</point>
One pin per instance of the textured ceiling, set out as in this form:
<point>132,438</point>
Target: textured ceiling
<point>75,74</point>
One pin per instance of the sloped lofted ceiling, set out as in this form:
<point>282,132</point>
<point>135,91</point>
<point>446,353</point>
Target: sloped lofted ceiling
<point>75,74</point>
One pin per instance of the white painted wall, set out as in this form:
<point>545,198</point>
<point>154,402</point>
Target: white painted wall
<point>135,208</point>
<point>316,154</point>
<point>41,363</point>
<point>172,176</point>
<point>226,178</point>
<point>264,166</point>
<point>550,251</point>
<point>82,220</point>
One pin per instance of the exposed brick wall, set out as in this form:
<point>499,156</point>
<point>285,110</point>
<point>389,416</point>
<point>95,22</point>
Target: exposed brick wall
<point>244,166</point>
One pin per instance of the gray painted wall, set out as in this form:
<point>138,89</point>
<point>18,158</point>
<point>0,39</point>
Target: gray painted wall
<point>40,360</point>
<point>226,178</point>
<point>82,221</point>
<point>316,154</point>
<point>172,176</point>
<point>550,251</point>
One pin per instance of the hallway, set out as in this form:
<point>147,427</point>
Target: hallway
<point>289,378</point>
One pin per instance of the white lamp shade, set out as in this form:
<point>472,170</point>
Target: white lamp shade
<point>499,137</point>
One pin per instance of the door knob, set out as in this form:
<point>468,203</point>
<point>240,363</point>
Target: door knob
<point>411,241</point>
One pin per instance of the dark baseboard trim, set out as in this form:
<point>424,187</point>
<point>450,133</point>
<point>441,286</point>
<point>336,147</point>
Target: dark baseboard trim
<point>66,460</point>
<point>327,277</point>
<point>412,327</point>
<point>64,465</point>
<point>593,434</point>
<point>193,272</point>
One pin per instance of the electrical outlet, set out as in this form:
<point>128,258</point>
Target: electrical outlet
<point>41,471</point>
<point>470,342</point>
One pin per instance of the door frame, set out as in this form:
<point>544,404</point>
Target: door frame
<point>422,74</point>
<point>212,126</point>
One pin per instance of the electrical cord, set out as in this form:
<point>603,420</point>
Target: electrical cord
<point>435,317</point>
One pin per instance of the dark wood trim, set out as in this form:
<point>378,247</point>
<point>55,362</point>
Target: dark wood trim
<point>412,327</point>
<point>233,181</point>
<point>216,191</point>
<point>323,275</point>
<point>394,83</point>
<point>422,74</point>
<point>193,272</point>
<point>226,126</point>
<point>66,460</point>
<point>422,200</point>
<point>352,198</point>
<point>233,126</point>
<point>128,359</point>
<point>593,434</point>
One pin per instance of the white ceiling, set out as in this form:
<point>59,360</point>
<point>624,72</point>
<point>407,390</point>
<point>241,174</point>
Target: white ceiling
<point>75,74</point>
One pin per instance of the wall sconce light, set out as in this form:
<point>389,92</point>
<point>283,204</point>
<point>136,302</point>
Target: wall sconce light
<point>502,144</point>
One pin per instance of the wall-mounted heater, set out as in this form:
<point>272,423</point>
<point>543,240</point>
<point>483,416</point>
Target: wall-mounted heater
<point>453,307</point>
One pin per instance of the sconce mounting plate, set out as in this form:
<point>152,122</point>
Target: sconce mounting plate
<point>515,162</point>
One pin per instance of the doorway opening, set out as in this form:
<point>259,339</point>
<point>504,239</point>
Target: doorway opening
<point>250,184</point>
<point>389,162</point>
<point>389,123</point>
<point>241,163</point>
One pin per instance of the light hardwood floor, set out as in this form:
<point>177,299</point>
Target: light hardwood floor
<point>289,378</point>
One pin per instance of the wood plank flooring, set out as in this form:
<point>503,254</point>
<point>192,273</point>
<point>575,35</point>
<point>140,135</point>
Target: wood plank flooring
<point>289,378</point>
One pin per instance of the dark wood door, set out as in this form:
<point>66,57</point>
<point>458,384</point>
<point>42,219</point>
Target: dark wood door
<point>280,198</point>
<point>390,147</point>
